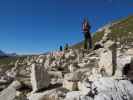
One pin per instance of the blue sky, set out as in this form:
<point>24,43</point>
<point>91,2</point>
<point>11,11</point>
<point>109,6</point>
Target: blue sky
<point>36,26</point>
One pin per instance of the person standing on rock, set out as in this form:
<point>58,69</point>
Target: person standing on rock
<point>87,35</point>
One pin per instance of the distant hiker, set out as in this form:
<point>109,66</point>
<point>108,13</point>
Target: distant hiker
<point>66,46</point>
<point>87,35</point>
<point>61,48</point>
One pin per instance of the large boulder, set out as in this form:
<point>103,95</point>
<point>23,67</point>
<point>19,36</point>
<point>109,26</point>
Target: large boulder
<point>41,59</point>
<point>83,64</point>
<point>110,89</point>
<point>70,55</point>
<point>109,44</point>
<point>75,76</point>
<point>72,68</point>
<point>71,81</point>
<point>122,61</point>
<point>84,87</point>
<point>39,77</point>
<point>54,94</point>
<point>76,95</point>
<point>55,74</point>
<point>94,75</point>
<point>106,62</point>
<point>10,92</point>
<point>70,85</point>
<point>103,89</point>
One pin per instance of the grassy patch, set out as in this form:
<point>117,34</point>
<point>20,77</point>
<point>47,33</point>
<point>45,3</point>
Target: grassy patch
<point>98,36</point>
<point>9,60</point>
<point>123,31</point>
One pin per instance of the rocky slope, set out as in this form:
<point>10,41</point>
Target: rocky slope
<point>122,30</point>
<point>70,75</point>
<point>104,73</point>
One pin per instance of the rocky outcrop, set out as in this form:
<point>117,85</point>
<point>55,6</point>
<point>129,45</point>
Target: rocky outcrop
<point>39,77</point>
<point>122,62</point>
<point>73,75</point>
<point>105,62</point>
<point>71,81</point>
<point>10,92</point>
<point>103,89</point>
<point>54,94</point>
<point>108,89</point>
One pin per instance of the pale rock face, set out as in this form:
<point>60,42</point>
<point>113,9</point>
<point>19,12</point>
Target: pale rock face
<point>54,94</point>
<point>104,84</point>
<point>95,75</point>
<point>122,60</point>
<point>108,44</point>
<point>84,87</point>
<point>70,55</point>
<point>72,68</point>
<point>54,64</point>
<point>75,76</point>
<point>106,62</point>
<point>110,89</point>
<point>11,74</point>
<point>129,51</point>
<point>41,59</point>
<point>65,65</point>
<point>29,63</point>
<point>39,77</point>
<point>76,95</point>
<point>43,96</point>
<point>47,63</point>
<point>103,89</point>
<point>71,81</point>
<point>70,85</point>
<point>56,74</point>
<point>10,92</point>
<point>82,65</point>
<point>16,85</point>
<point>102,96</point>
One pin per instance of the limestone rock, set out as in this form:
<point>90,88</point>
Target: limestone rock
<point>122,61</point>
<point>76,95</point>
<point>84,87</point>
<point>41,59</point>
<point>10,92</point>
<point>95,75</point>
<point>103,89</point>
<point>70,55</point>
<point>106,62</point>
<point>71,81</point>
<point>54,94</point>
<point>72,68</point>
<point>56,74</point>
<point>82,65</point>
<point>108,44</point>
<point>75,76</point>
<point>110,89</point>
<point>70,85</point>
<point>39,77</point>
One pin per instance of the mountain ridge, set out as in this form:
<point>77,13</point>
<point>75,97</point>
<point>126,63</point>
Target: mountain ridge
<point>2,53</point>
